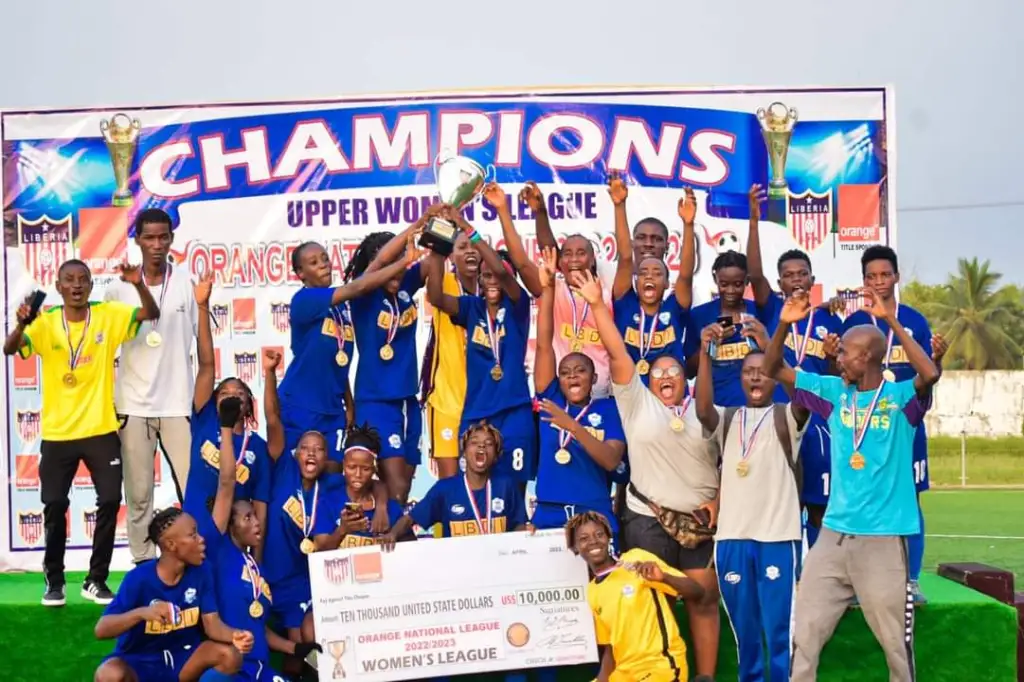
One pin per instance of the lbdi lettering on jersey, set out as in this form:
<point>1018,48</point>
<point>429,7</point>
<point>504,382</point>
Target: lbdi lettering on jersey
<point>180,619</point>
<point>407,318</point>
<point>211,455</point>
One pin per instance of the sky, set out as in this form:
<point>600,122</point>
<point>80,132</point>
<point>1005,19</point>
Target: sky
<point>955,65</point>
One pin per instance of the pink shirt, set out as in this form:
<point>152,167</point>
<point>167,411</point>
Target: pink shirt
<point>575,330</point>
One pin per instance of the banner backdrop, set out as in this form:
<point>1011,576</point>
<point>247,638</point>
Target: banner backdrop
<point>246,183</point>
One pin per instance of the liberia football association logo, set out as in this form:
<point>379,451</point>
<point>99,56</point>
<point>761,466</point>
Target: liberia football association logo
<point>279,316</point>
<point>338,571</point>
<point>46,243</point>
<point>30,527</point>
<point>28,425</point>
<point>247,366</point>
<point>221,314</point>
<point>809,217</point>
<point>89,518</point>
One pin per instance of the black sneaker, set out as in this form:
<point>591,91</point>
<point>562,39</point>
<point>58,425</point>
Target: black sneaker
<point>54,595</point>
<point>97,591</point>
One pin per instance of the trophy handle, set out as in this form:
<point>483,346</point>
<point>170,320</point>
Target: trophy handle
<point>442,156</point>
<point>793,115</point>
<point>761,113</point>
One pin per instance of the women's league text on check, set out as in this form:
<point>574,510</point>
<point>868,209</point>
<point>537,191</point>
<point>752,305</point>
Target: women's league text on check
<point>522,606</point>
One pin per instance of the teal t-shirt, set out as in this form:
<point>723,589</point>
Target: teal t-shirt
<point>879,498</point>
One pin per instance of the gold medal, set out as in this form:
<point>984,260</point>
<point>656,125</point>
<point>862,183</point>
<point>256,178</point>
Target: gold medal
<point>256,609</point>
<point>889,375</point>
<point>70,380</point>
<point>306,546</point>
<point>497,373</point>
<point>676,424</point>
<point>387,352</point>
<point>642,367</point>
<point>563,456</point>
<point>743,468</point>
<point>153,339</point>
<point>857,461</point>
<point>341,358</point>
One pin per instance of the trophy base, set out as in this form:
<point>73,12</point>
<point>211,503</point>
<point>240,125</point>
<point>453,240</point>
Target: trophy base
<point>122,201</point>
<point>778,189</point>
<point>439,236</point>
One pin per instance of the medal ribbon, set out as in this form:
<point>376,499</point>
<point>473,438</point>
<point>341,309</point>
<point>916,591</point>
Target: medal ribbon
<point>308,520</point>
<point>577,319</point>
<point>888,340</point>
<point>679,410</point>
<point>565,437</point>
<point>800,347</point>
<point>245,444</point>
<point>393,324</point>
<point>858,434</point>
<point>75,353</point>
<point>340,325</point>
<point>254,575</point>
<point>747,443</point>
<point>494,337</point>
<point>646,348</point>
<point>476,509</point>
<point>163,291</point>
<point>601,574</point>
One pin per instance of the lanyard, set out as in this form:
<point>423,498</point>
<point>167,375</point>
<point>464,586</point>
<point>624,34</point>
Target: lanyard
<point>747,442</point>
<point>476,510</point>
<point>245,444</point>
<point>75,354</point>
<point>308,520</point>
<point>800,346</point>
<point>861,432</point>
<point>679,410</point>
<point>393,324</point>
<point>578,319</point>
<point>647,338</point>
<point>494,337</point>
<point>564,437</point>
<point>163,291</point>
<point>340,325</point>
<point>254,575</point>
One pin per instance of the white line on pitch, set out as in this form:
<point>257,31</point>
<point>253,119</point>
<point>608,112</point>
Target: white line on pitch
<point>977,537</point>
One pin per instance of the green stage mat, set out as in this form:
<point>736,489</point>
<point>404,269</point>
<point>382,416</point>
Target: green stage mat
<point>960,635</point>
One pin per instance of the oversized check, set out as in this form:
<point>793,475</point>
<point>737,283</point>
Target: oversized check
<point>451,607</point>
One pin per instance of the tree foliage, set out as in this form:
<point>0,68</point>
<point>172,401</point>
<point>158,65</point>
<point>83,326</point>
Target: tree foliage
<point>982,321</point>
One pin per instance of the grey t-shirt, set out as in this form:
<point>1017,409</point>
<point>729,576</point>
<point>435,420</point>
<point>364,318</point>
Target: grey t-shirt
<point>677,470</point>
<point>764,505</point>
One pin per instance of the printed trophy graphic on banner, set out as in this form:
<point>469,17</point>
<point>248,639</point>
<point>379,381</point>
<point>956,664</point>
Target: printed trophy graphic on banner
<point>459,180</point>
<point>336,650</point>
<point>777,123</point>
<point>121,133</point>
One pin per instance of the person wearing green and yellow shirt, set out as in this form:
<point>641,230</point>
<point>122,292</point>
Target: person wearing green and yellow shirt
<point>77,343</point>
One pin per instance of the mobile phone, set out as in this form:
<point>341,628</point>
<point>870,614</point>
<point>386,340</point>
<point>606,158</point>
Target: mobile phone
<point>35,305</point>
<point>726,322</point>
<point>354,507</point>
<point>703,517</point>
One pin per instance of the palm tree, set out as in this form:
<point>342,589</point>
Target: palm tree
<point>979,316</point>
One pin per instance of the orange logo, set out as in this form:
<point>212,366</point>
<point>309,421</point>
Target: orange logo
<point>83,479</point>
<point>243,316</point>
<point>27,472</point>
<point>103,238</point>
<point>26,372</point>
<point>859,213</point>
<point>368,568</point>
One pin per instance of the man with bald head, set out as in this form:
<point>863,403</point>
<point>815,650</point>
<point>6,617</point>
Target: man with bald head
<point>862,549</point>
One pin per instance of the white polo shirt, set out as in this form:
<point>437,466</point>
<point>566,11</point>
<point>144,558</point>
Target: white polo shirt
<point>158,382</point>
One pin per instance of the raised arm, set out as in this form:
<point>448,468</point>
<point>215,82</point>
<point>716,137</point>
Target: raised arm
<point>687,250</point>
<point>927,372</point>
<point>392,251</point>
<point>794,309</point>
<point>16,339</point>
<point>487,253</point>
<point>622,364</point>
<point>755,267</point>
<point>133,275</point>
<point>271,405</point>
<point>704,389</point>
<point>534,198</point>
<point>433,265</point>
<point>624,265</point>
<point>495,196</point>
<point>207,358</point>
<point>371,281</point>
<point>754,329</point>
<point>545,369</point>
<point>228,412</point>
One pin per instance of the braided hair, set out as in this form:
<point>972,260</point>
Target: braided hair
<point>249,420</point>
<point>577,522</point>
<point>363,436</point>
<point>482,426</point>
<point>162,520</point>
<point>365,253</point>
<point>730,259</point>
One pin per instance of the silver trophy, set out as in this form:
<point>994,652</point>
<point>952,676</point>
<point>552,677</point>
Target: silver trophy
<point>459,181</point>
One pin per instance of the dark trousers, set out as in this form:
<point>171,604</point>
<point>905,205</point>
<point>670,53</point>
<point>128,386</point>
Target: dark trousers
<point>57,466</point>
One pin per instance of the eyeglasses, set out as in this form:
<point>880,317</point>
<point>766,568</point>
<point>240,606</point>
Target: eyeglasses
<point>671,371</point>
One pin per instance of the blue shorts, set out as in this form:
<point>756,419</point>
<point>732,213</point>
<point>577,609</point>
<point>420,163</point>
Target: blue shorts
<point>557,514</point>
<point>816,458</point>
<point>921,480</point>
<point>400,423</point>
<point>156,666</point>
<point>252,671</point>
<point>518,457</point>
<point>298,420</point>
<point>292,600</point>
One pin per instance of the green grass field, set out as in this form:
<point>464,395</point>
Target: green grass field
<point>990,461</point>
<point>986,526</point>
